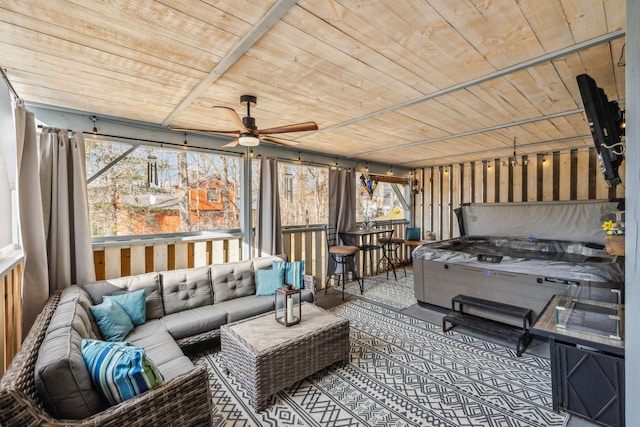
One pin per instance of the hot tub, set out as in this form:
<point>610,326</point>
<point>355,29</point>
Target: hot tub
<point>523,270</point>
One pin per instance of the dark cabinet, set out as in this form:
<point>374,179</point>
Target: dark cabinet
<point>588,383</point>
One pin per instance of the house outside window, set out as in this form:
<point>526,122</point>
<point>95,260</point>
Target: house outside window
<point>157,191</point>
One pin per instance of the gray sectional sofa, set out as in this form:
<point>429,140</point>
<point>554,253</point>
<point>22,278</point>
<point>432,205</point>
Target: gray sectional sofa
<point>48,381</point>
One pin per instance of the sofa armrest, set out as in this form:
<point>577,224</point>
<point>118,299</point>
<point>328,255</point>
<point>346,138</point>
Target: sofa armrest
<point>310,283</point>
<point>184,401</point>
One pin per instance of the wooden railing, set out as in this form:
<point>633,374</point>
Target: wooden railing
<point>10,308</point>
<point>123,258</point>
<point>309,245</point>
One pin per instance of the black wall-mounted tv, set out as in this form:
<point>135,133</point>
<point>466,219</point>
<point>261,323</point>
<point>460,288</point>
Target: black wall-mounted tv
<point>606,121</point>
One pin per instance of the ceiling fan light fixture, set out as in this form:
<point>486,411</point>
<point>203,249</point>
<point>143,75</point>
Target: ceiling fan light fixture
<point>248,140</point>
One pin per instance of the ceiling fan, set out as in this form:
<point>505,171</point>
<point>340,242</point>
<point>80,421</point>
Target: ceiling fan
<point>248,134</point>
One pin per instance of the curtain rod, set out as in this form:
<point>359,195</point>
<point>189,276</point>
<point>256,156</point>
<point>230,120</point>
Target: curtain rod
<point>19,100</point>
<point>161,143</point>
<point>309,162</point>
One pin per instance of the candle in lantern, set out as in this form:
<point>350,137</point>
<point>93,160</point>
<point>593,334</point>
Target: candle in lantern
<point>289,309</point>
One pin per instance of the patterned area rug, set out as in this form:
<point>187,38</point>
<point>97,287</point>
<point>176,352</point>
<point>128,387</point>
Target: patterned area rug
<point>395,293</point>
<point>402,372</point>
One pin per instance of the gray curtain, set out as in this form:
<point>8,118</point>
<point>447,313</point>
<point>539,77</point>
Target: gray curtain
<point>65,208</point>
<point>35,280</point>
<point>268,222</point>
<point>342,203</point>
<point>54,212</point>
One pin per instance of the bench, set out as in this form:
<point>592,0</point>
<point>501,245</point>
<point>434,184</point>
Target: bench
<point>457,317</point>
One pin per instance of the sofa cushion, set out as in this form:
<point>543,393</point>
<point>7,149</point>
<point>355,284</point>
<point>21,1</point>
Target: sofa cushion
<point>241,308</point>
<point>160,347</point>
<point>185,289</point>
<point>133,303</point>
<point>195,321</point>
<point>267,281</point>
<point>61,375</point>
<point>113,321</point>
<point>266,262</point>
<point>176,367</point>
<point>150,328</point>
<point>148,281</point>
<point>119,371</point>
<point>78,294</point>
<point>232,280</point>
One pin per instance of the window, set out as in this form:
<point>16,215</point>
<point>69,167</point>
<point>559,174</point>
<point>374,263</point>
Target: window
<point>8,164</point>
<point>6,205</point>
<point>304,194</point>
<point>153,191</point>
<point>213,195</point>
<point>383,204</point>
<point>288,187</point>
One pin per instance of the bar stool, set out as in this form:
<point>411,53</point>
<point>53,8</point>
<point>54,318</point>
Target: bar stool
<point>390,246</point>
<point>342,255</point>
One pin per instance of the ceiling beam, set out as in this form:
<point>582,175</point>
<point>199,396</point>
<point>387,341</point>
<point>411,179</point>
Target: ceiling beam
<point>605,38</point>
<point>473,132</point>
<point>493,150</point>
<point>260,29</point>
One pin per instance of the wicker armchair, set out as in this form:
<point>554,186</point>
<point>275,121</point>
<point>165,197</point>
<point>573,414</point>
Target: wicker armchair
<point>184,400</point>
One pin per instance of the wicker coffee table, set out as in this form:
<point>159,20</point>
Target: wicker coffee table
<point>266,357</point>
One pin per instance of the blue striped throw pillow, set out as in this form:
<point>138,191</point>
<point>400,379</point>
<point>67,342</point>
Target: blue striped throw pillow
<point>294,272</point>
<point>119,370</point>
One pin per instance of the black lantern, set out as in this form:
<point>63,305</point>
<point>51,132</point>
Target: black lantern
<point>288,305</point>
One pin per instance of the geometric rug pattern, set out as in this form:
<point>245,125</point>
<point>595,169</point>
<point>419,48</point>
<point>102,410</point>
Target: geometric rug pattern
<point>402,372</point>
<point>395,293</point>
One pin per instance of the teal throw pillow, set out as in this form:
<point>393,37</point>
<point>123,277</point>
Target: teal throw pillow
<point>133,303</point>
<point>114,323</point>
<point>294,272</point>
<point>119,371</point>
<point>267,281</point>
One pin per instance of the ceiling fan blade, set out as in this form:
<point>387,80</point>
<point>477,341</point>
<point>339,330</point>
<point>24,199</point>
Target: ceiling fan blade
<point>224,132</point>
<point>231,114</point>
<point>281,141</point>
<point>298,127</point>
<point>231,144</point>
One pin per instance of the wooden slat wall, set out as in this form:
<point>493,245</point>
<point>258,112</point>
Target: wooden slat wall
<point>119,261</point>
<point>558,176</point>
<point>10,315</point>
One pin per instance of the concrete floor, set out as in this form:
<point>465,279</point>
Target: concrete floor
<point>333,297</point>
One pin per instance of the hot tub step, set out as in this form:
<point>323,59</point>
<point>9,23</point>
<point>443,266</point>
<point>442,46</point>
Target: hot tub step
<point>506,332</point>
<point>522,313</point>
<point>517,335</point>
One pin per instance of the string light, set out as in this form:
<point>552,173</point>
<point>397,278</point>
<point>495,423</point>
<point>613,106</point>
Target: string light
<point>94,119</point>
<point>514,160</point>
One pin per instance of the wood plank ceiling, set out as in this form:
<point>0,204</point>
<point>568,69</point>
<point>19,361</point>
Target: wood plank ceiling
<point>411,83</point>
